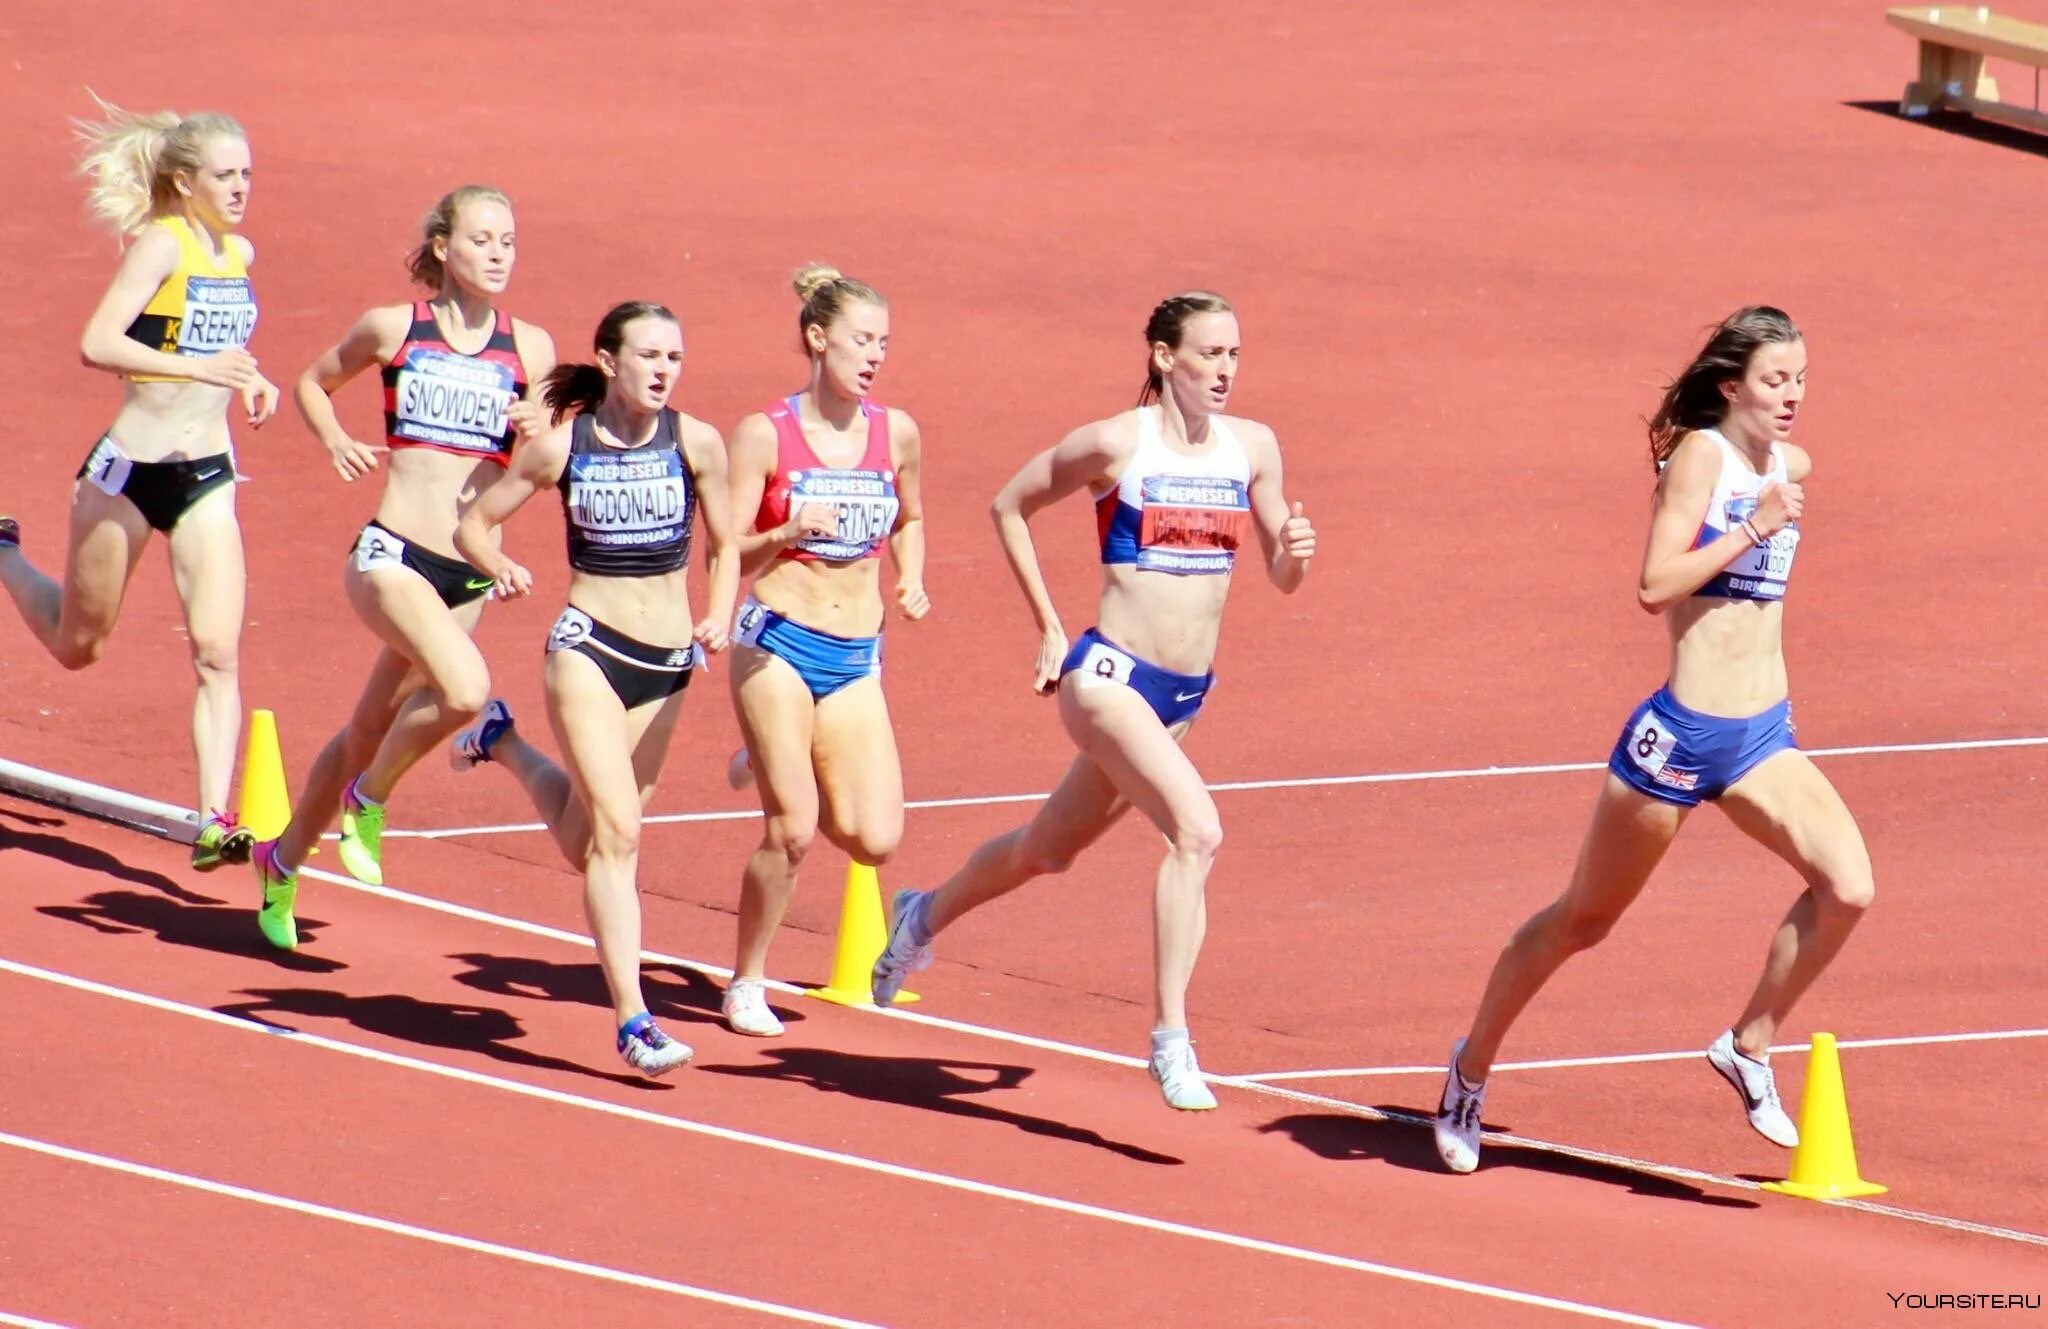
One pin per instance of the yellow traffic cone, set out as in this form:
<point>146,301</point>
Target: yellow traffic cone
<point>1824,1164</point>
<point>266,807</point>
<point>862,936</point>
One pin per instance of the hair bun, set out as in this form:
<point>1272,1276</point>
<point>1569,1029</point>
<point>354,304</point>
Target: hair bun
<point>812,277</point>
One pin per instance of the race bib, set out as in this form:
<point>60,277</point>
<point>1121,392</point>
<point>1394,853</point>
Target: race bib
<point>753,617</point>
<point>1191,523</point>
<point>106,468</point>
<point>622,502</point>
<point>220,313</point>
<point>571,630</point>
<point>865,503</point>
<point>376,549</point>
<point>452,400</point>
<point>1650,744</point>
<point>1103,665</point>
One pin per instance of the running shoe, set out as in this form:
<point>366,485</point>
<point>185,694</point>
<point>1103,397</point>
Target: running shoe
<point>650,1051</point>
<point>362,838</point>
<point>746,1009</point>
<point>10,533</point>
<point>221,840</point>
<point>904,955</point>
<point>280,893</point>
<point>1758,1088</point>
<point>473,745</point>
<point>1180,1079</point>
<point>739,769</point>
<point>1457,1117</point>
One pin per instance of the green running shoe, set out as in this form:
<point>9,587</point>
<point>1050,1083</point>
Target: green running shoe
<point>220,841</point>
<point>362,838</point>
<point>280,893</point>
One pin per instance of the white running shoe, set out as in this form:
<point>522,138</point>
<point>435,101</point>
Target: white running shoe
<point>746,1009</point>
<point>1758,1088</point>
<point>1180,1079</point>
<point>739,769</point>
<point>1457,1118</point>
<point>473,745</point>
<point>650,1051</point>
<point>902,957</point>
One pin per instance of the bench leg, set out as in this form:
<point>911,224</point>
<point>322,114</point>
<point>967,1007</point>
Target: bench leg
<point>1949,80</point>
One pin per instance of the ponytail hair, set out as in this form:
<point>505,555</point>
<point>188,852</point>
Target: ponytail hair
<point>423,264</point>
<point>1169,318</point>
<point>577,389</point>
<point>134,161</point>
<point>1693,400</point>
<point>825,294</point>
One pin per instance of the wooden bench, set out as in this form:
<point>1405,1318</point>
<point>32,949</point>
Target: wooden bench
<point>1954,40</point>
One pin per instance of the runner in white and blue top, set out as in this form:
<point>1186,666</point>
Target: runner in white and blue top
<point>634,477</point>
<point>1724,530</point>
<point>1178,486</point>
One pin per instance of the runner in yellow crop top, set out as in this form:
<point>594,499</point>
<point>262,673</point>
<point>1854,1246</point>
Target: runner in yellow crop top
<point>174,324</point>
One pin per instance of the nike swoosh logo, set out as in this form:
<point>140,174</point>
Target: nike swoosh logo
<point>207,475</point>
<point>1186,696</point>
<point>480,583</point>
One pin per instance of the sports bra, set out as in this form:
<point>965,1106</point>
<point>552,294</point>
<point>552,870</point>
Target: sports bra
<point>202,308</point>
<point>1176,512</point>
<point>864,494</point>
<point>1759,573</point>
<point>437,397</point>
<point>628,510</point>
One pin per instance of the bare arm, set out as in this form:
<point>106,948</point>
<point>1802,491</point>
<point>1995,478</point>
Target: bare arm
<point>373,340</point>
<point>1092,452</point>
<point>106,344</point>
<point>534,467</point>
<point>906,541</point>
<point>1286,537</point>
<point>1672,568</point>
<point>704,450</point>
<point>752,460</point>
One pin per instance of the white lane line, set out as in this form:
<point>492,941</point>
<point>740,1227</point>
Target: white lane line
<point>472,1244</point>
<point>1639,1058</point>
<point>23,1322</point>
<point>1121,1059</point>
<point>815,1153</point>
<point>1242,786</point>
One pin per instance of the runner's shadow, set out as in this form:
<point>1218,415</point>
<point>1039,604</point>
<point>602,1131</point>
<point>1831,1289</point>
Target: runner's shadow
<point>928,1083</point>
<point>438,1024</point>
<point>92,859</point>
<point>673,993</point>
<point>1406,1143</point>
<point>212,926</point>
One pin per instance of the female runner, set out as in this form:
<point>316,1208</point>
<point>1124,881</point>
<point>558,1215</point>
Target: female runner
<point>633,475</point>
<point>1724,526</point>
<point>1175,484</point>
<point>174,324</point>
<point>829,475</point>
<point>456,371</point>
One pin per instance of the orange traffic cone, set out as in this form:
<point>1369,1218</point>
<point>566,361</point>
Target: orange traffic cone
<point>862,935</point>
<point>1824,1164</point>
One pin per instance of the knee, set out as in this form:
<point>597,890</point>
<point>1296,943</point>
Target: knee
<point>876,845</point>
<point>216,661</point>
<point>1569,931</point>
<point>1849,893</point>
<point>464,698</point>
<point>790,838</point>
<point>81,653</point>
<point>1200,838</point>
<point>615,834</point>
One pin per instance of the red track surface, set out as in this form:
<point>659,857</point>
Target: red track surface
<point>1467,243</point>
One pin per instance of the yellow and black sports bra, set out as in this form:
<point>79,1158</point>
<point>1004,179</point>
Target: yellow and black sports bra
<point>201,308</point>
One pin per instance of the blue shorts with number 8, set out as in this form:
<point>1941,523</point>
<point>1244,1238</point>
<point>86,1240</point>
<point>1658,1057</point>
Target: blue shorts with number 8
<point>1674,753</point>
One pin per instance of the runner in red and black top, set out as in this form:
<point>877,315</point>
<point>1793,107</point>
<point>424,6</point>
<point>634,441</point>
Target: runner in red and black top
<point>457,372</point>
